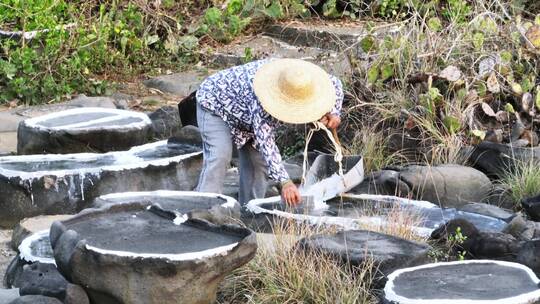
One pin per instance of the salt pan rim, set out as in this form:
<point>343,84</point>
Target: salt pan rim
<point>188,256</point>
<point>79,127</point>
<point>88,157</point>
<point>26,253</point>
<point>345,223</point>
<point>230,202</point>
<point>520,299</point>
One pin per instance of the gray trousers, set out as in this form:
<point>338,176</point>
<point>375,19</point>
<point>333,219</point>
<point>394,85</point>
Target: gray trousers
<point>217,154</point>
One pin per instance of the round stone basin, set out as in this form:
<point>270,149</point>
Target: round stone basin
<point>83,130</point>
<point>216,208</point>
<point>53,164</point>
<point>141,253</point>
<point>354,211</point>
<point>88,119</point>
<point>476,281</point>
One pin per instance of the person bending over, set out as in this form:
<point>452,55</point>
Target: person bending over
<point>244,105</point>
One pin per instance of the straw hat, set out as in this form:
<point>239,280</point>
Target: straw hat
<point>294,91</point>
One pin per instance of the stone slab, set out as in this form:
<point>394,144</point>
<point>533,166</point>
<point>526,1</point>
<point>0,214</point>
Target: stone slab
<point>356,247</point>
<point>181,84</point>
<point>266,47</point>
<point>330,37</point>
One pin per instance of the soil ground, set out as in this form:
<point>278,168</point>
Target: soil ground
<point>6,253</point>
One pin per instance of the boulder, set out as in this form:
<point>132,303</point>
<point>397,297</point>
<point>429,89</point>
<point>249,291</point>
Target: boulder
<point>481,281</point>
<point>478,244</point>
<point>35,299</point>
<point>43,279</point>
<point>35,248</point>
<point>83,130</point>
<point>188,135</point>
<point>496,159</point>
<point>529,255</point>
<point>75,294</point>
<point>29,226</point>
<point>165,121</point>
<point>356,247</point>
<point>450,186</point>
<point>215,208</point>
<point>521,228</point>
<point>141,253</point>
<point>60,184</point>
<point>532,207</point>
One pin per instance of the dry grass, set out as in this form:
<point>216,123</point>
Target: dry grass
<point>523,180</point>
<point>280,274</point>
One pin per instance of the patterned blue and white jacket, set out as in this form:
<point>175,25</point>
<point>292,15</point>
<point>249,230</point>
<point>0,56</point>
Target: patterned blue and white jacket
<point>229,94</point>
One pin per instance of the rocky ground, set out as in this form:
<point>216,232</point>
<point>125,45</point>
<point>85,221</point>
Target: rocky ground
<point>6,253</point>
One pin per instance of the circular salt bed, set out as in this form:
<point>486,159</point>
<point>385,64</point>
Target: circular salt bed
<point>216,208</point>
<point>141,253</point>
<point>463,282</point>
<point>83,130</point>
<point>357,211</point>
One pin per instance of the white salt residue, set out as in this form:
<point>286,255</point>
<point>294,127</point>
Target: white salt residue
<point>25,249</point>
<point>180,219</point>
<point>89,157</point>
<point>229,201</point>
<point>343,222</point>
<point>188,256</point>
<point>526,298</point>
<point>144,120</point>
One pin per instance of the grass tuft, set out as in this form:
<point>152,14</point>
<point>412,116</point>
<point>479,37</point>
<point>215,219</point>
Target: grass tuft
<point>523,181</point>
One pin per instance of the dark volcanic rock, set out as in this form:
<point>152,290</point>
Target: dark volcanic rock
<point>165,121</point>
<point>43,279</point>
<point>358,246</point>
<point>532,207</point>
<point>529,255</point>
<point>35,248</point>
<point>463,282</point>
<point>139,253</point>
<point>445,185</point>
<point>215,208</point>
<point>188,135</point>
<point>83,130</point>
<point>35,299</point>
<point>478,244</point>
<point>495,159</point>
<point>75,294</point>
<point>59,184</point>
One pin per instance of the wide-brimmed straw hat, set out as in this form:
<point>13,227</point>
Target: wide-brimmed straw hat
<point>294,91</point>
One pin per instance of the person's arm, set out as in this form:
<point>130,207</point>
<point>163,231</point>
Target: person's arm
<point>264,135</point>
<point>336,110</point>
<point>332,119</point>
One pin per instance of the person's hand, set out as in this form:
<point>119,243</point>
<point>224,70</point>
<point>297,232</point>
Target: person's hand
<point>331,121</point>
<point>290,194</point>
